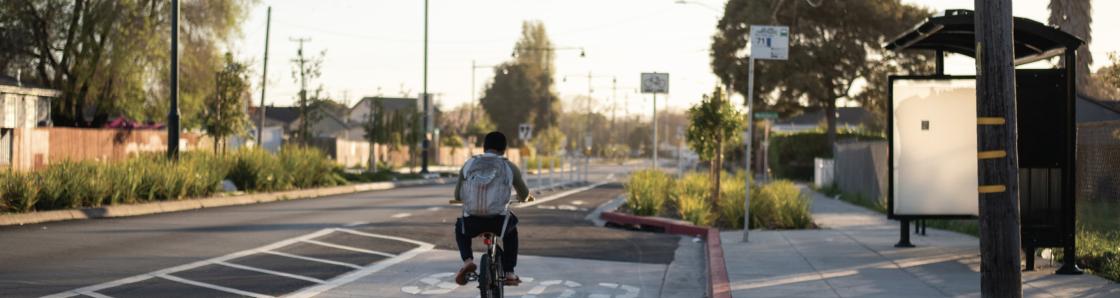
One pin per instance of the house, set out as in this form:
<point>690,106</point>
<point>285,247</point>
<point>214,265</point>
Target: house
<point>359,113</point>
<point>846,118</point>
<point>23,107</point>
<point>1091,109</point>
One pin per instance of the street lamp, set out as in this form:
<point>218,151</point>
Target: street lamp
<point>582,51</point>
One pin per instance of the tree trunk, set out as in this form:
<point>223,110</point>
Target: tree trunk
<point>830,121</point>
<point>1000,274</point>
<point>717,169</point>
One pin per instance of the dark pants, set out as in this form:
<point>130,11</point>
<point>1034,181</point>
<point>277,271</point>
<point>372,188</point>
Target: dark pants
<point>467,228</point>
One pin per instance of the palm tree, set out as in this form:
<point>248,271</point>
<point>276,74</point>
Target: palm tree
<point>1075,17</point>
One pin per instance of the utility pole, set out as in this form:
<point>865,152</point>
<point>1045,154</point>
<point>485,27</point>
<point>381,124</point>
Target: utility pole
<point>264,79</point>
<point>997,143</point>
<point>425,143</point>
<point>173,113</point>
<point>304,125</point>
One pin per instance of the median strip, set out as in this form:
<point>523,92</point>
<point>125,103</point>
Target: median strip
<point>211,202</point>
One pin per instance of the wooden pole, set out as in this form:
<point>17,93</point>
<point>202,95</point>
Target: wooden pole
<point>1000,274</point>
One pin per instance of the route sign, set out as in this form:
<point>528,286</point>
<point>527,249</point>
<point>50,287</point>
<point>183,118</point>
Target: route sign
<point>770,42</point>
<point>524,131</point>
<point>653,82</point>
<point>766,115</point>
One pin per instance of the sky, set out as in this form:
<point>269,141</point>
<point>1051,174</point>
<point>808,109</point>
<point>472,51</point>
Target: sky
<point>375,47</point>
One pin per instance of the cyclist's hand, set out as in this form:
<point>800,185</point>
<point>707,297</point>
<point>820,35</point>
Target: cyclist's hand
<point>529,198</point>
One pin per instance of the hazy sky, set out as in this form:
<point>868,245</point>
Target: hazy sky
<point>375,46</point>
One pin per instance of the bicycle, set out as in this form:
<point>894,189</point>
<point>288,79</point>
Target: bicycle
<point>491,277</point>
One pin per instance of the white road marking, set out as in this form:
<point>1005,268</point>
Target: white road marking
<point>434,284</point>
<point>354,249</point>
<point>578,202</point>
<point>284,254</point>
<point>401,215</point>
<point>355,275</point>
<point>560,195</point>
<point>212,286</point>
<point>266,271</point>
<point>356,223</point>
<point>433,208</point>
<point>189,266</point>
<point>95,295</point>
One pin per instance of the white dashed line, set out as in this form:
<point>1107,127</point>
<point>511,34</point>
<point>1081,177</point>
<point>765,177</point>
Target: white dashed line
<point>266,271</point>
<point>284,254</point>
<point>401,215</point>
<point>354,249</point>
<point>356,223</point>
<point>211,286</point>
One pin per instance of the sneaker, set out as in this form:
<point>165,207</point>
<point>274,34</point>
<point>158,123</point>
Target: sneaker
<point>461,277</point>
<point>512,279</point>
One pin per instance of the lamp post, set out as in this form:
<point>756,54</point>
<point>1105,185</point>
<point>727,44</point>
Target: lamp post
<point>173,112</point>
<point>426,98</point>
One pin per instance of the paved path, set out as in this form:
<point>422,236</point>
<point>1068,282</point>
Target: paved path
<point>853,255</point>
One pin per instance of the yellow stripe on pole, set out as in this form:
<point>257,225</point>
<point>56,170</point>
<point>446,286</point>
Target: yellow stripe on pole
<point>991,154</point>
<point>991,121</point>
<point>993,188</point>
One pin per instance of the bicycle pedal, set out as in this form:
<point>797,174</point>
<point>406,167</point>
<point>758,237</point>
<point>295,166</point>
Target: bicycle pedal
<point>471,276</point>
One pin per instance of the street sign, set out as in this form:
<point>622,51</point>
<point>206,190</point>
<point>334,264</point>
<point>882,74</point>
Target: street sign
<point>653,82</point>
<point>587,141</point>
<point>524,131</point>
<point>769,42</point>
<point>766,115</point>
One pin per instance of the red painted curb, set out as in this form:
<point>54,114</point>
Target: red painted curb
<point>719,285</point>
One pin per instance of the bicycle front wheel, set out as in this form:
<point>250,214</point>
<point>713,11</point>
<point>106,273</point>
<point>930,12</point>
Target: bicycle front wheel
<point>489,283</point>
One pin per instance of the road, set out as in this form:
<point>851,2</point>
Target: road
<point>393,243</point>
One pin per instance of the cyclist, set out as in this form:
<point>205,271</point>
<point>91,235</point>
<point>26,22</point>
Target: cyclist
<point>484,189</point>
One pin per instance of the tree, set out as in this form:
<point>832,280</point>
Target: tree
<point>521,91</point>
<point>712,121</point>
<point>1109,75</point>
<point>110,57</point>
<point>225,113</point>
<point>311,104</point>
<point>833,46</point>
<point>550,141</point>
<point>376,131</point>
<point>1076,18</point>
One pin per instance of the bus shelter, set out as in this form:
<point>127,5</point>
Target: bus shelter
<point>933,156</point>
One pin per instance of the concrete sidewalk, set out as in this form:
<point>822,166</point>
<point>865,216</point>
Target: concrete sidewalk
<point>853,255</point>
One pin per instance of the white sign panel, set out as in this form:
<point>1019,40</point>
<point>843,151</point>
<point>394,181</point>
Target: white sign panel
<point>525,131</point>
<point>769,42</point>
<point>934,144</point>
<point>653,82</point>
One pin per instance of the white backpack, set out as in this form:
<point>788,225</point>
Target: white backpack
<point>488,180</point>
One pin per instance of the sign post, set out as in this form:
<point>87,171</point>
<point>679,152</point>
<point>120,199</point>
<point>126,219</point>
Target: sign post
<point>654,83</point>
<point>767,43</point>
<point>525,133</point>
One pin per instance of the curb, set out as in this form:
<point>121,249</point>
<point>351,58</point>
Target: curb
<point>199,203</point>
<point>719,285</point>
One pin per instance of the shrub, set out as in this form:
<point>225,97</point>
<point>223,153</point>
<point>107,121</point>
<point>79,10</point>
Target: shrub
<point>647,191</point>
<point>791,155</point>
<point>732,194</point>
<point>309,167</point>
<point>18,192</point>
<point>257,170</point>
<point>780,205</point>
<point>691,198</point>
<point>546,163</point>
<point>1099,252</point>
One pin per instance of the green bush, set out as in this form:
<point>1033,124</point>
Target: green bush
<point>780,205</point>
<point>18,192</point>
<point>546,163</point>
<point>647,191</point>
<point>151,177</point>
<point>731,196</point>
<point>309,167</point>
<point>1099,252</point>
<point>791,155</point>
<point>691,198</point>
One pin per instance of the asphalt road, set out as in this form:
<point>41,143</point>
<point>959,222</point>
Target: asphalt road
<point>285,247</point>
